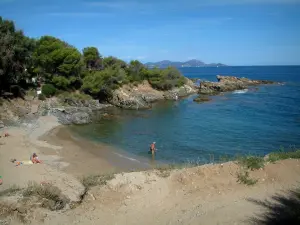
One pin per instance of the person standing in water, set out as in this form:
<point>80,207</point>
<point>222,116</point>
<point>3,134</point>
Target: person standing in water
<point>152,148</point>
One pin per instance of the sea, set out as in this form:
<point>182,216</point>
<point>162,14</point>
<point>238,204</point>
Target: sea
<point>255,121</point>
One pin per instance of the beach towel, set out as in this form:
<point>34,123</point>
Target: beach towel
<point>27,162</point>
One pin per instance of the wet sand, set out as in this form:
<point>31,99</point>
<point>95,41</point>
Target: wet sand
<point>85,157</point>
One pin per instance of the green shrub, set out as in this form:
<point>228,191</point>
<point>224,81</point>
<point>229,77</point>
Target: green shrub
<point>41,97</point>
<point>275,156</point>
<point>95,180</point>
<point>251,162</point>
<point>165,79</point>
<point>136,72</point>
<point>102,83</point>
<point>61,82</point>
<point>244,178</point>
<point>48,90</point>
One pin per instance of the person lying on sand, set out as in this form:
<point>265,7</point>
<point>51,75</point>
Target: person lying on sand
<point>35,159</point>
<point>5,135</point>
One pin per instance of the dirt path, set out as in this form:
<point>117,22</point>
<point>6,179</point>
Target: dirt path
<point>203,195</point>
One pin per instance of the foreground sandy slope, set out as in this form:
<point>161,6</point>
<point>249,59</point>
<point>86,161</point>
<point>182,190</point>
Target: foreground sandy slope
<point>203,195</point>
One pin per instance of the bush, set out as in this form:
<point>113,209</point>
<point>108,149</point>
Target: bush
<point>251,162</point>
<point>61,82</point>
<point>165,79</point>
<point>244,178</point>
<point>275,156</point>
<point>51,195</point>
<point>10,191</point>
<point>48,90</point>
<point>41,97</point>
<point>103,82</point>
<point>94,180</point>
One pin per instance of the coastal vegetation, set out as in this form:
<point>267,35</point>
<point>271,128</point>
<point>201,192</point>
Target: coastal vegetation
<point>96,180</point>
<point>244,178</point>
<point>27,63</point>
<point>51,196</point>
<point>251,163</point>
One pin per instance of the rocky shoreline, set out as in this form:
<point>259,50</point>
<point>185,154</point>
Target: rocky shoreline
<point>226,84</point>
<point>75,111</point>
<point>143,95</point>
<point>229,83</point>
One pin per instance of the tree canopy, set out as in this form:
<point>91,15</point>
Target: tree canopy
<point>15,54</point>
<point>61,66</point>
<point>92,58</point>
<point>56,60</point>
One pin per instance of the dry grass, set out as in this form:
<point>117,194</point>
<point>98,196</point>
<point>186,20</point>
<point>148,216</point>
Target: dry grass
<point>244,178</point>
<point>51,196</point>
<point>165,170</point>
<point>10,191</point>
<point>95,180</point>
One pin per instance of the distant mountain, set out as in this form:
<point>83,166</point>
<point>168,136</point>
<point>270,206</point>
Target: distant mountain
<point>190,63</point>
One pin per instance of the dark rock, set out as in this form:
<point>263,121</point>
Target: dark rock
<point>229,83</point>
<point>202,98</point>
<point>73,111</point>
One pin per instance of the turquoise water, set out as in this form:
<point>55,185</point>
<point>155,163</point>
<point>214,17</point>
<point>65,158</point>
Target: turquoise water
<point>256,121</point>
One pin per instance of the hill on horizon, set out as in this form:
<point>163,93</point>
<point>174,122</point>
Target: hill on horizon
<point>189,63</point>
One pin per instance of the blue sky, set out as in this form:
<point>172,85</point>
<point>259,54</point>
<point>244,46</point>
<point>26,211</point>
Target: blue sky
<point>234,32</point>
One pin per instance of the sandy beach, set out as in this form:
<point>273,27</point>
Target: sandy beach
<point>85,157</point>
<point>59,151</point>
<point>208,194</point>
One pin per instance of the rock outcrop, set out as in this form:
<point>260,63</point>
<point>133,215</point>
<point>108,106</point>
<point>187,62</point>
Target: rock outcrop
<point>229,83</point>
<point>201,99</point>
<point>142,95</point>
<point>13,110</point>
<point>71,111</point>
